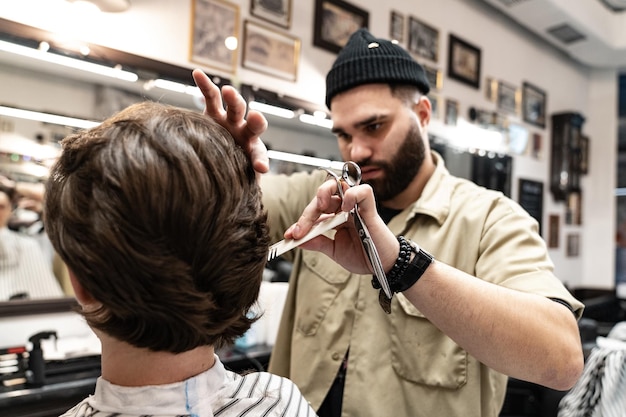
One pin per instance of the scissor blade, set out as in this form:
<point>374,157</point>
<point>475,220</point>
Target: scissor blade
<point>372,253</point>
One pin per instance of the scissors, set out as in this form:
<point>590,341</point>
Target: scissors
<point>351,175</point>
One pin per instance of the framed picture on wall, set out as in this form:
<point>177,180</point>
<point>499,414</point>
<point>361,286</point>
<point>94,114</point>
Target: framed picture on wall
<point>434,77</point>
<point>463,61</point>
<point>215,25</point>
<point>554,223</point>
<point>274,11</point>
<point>507,98</point>
<point>573,245</point>
<point>434,106</point>
<point>491,89</point>
<point>452,111</point>
<point>423,39</point>
<point>533,105</point>
<point>531,198</point>
<point>269,51</point>
<point>335,21</point>
<point>396,26</point>
<point>536,149</point>
<point>584,154</point>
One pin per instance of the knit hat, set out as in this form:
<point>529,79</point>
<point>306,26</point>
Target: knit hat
<point>367,60</point>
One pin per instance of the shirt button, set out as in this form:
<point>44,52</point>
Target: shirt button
<point>336,356</point>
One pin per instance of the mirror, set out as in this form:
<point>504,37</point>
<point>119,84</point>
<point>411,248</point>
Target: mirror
<point>32,85</point>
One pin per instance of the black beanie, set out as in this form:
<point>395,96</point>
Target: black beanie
<point>368,60</point>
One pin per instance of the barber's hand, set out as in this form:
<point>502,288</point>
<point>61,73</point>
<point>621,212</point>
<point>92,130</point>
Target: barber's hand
<point>346,248</point>
<point>247,132</point>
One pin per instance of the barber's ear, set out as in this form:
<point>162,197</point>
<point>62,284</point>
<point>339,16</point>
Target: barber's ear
<point>83,297</point>
<point>423,111</point>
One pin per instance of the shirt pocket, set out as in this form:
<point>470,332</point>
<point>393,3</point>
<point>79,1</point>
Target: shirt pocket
<point>421,353</point>
<point>319,285</point>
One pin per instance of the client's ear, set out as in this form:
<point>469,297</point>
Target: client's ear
<point>83,297</point>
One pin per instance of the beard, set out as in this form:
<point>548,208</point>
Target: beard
<point>401,169</point>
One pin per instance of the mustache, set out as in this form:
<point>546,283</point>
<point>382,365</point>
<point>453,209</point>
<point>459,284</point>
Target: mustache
<point>369,163</point>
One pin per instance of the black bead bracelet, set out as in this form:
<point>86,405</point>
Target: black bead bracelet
<point>405,272</point>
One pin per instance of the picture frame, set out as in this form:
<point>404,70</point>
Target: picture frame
<point>275,11</point>
<point>213,24</point>
<point>434,106</point>
<point>573,208</point>
<point>396,26</point>
<point>573,245</point>
<point>554,224</point>
<point>464,61</point>
<point>491,89</point>
<point>507,98</point>
<point>423,39</point>
<point>534,102</point>
<point>452,112</point>
<point>335,22</point>
<point>269,51</point>
<point>536,149</point>
<point>584,154</point>
<point>434,77</point>
<point>530,197</point>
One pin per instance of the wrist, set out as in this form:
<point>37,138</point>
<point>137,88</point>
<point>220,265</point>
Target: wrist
<point>409,267</point>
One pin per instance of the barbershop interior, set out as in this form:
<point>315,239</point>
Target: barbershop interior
<point>527,98</point>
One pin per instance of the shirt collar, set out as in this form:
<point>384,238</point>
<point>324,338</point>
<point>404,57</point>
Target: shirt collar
<point>436,195</point>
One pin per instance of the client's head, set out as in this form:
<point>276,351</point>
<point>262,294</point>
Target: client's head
<point>158,216</point>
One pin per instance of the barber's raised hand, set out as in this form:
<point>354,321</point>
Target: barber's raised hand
<point>246,130</point>
<point>346,248</point>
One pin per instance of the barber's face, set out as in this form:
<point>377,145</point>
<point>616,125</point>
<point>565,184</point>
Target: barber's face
<point>381,134</point>
<point>5,209</point>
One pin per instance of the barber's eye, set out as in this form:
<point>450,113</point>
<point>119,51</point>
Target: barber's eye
<point>373,127</point>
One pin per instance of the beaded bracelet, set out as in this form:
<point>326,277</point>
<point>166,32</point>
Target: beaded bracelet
<point>405,272</point>
<point>399,267</point>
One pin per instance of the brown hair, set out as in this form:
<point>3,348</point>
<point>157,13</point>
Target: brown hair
<point>158,214</point>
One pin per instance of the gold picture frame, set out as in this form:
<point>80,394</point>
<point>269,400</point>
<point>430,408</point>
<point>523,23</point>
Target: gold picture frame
<point>214,34</point>
<point>277,11</point>
<point>270,52</point>
<point>335,21</point>
<point>423,39</point>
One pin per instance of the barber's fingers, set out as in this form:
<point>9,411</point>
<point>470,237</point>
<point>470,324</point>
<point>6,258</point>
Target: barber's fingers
<point>384,239</point>
<point>246,132</point>
<point>212,96</point>
<point>326,200</point>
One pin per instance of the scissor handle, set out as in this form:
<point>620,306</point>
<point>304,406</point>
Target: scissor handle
<point>351,173</point>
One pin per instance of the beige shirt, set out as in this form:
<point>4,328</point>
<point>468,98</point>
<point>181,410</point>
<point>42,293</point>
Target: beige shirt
<point>400,364</point>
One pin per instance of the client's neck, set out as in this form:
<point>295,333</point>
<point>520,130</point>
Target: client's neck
<point>126,365</point>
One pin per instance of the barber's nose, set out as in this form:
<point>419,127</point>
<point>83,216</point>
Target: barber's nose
<point>359,151</point>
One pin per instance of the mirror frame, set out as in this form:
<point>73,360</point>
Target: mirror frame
<point>39,306</point>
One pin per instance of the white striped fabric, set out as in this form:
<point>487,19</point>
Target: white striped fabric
<point>24,269</point>
<point>214,393</point>
<point>601,390</point>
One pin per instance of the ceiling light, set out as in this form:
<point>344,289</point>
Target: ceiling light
<point>47,117</point>
<point>173,86</point>
<point>68,62</point>
<point>305,160</point>
<point>316,121</point>
<point>109,6</point>
<point>273,110</point>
